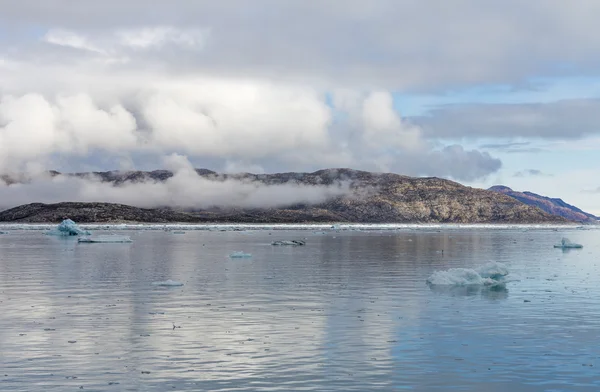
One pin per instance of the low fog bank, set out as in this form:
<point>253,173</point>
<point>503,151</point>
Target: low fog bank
<point>185,189</point>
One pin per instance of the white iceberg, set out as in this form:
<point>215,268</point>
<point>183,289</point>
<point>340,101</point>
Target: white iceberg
<point>240,255</point>
<point>289,243</point>
<point>67,228</point>
<point>105,239</point>
<point>565,243</point>
<point>168,283</point>
<point>491,274</point>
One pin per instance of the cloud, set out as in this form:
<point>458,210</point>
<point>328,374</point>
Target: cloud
<point>185,189</point>
<point>264,125</point>
<point>567,119</point>
<point>32,128</point>
<point>120,40</point>
<point>219,86</point>
<point>71,39</point>
<point>531,173</point>
<point>355,43</point>
<point>512,147</point>
<point>593,191</point>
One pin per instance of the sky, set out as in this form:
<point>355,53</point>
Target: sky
<point>477,91</point>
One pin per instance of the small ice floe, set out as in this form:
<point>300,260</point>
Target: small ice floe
<point>565,243</point>
<point>105,239</point>
<point>289,243</point>
<point>67,228</point>
<point>491,274</point>
<point>168,283</point>
<point>240,255</point>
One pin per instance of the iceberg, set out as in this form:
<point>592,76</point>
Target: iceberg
<point>168,283</point>
<point>289,243</point>
<point>67,228</point>
<point>105,239</point>
<point>565,243</point>
<point>240,255</point>
<point>491,274</point>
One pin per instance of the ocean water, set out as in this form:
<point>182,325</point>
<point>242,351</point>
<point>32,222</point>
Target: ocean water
<point>350,311</point>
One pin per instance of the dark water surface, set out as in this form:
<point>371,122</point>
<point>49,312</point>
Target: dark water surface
<point>350,311</point>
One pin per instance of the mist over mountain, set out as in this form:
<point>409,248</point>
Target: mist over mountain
<point>201,195</point>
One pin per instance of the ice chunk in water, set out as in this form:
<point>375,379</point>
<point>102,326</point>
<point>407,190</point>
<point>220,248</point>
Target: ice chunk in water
<point>492,270</point>
<point>168,283</point>
<point>290,243</point>
<point>565,243</point>
<point>491,274</point>
<point>105,239</point>
<point>240,255</point>
<point>67,228</point>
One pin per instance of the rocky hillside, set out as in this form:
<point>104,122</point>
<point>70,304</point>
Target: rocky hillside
<point>552,206</point>
<point>373,197</point>
<point>90,212</point>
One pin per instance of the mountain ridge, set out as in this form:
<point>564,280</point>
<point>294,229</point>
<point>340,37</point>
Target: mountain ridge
<point>372,198</point>
<point>551,205</point>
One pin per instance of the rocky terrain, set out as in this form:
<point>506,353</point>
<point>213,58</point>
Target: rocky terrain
<point>552,206</point>
<point>373,198</point>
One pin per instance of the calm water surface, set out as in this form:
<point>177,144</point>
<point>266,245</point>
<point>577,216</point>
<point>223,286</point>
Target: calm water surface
<point>350,311</point>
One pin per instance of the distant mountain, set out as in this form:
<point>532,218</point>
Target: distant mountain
<point>550,205</point>
<point>372,198</point>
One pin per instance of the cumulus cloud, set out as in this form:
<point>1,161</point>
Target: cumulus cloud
<point>259,124</point>
<point>32,128</point>
<point>150,80</point>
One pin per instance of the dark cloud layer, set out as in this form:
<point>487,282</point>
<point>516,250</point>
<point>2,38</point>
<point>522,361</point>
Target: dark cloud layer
<point>389,44</point>
<point>568,119</point>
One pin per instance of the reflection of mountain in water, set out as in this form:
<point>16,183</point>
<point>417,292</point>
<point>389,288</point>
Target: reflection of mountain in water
<point>492,293</point>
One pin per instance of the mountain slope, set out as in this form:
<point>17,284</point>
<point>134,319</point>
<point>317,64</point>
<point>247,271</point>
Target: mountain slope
<point>552,206</point>
<point>372,197</point>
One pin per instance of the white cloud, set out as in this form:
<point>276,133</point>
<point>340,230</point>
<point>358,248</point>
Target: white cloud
<point>156,37</point>
<point>71,39</point>
<point>32,128</point>
<point>113,43</point>
<point>185,189</point>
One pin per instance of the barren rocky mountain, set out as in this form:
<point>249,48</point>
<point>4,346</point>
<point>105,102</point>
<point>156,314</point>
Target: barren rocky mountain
<point>373,197</point>
<point>550,205</point>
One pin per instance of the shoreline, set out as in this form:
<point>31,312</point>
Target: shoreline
<point>298,226</point>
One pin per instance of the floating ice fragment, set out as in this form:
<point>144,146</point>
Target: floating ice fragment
<point>168,283</point>
<point>105,239</point>
<point>494,271</point>
<point>565,243</point>
<point>290,243</point>
<point>491,274</point>
<point>240,255</point>
<point>67,228</point>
